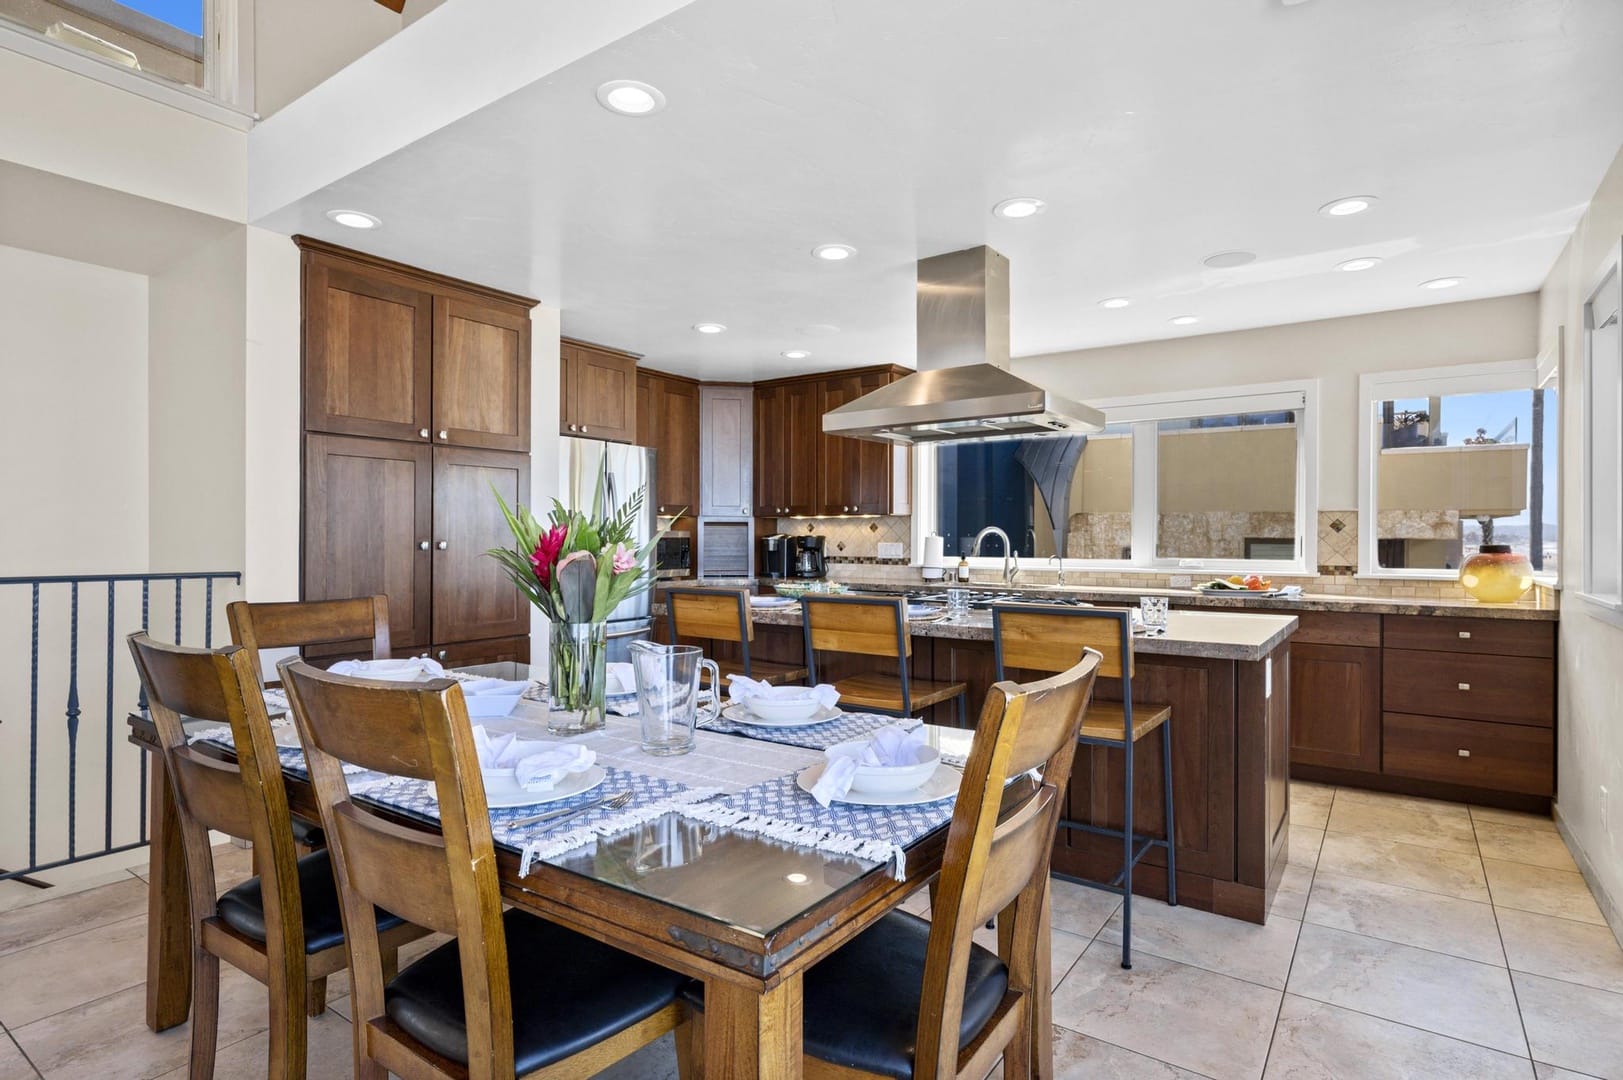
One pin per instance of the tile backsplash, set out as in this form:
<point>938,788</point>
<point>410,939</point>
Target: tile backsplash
<point>856,539</point>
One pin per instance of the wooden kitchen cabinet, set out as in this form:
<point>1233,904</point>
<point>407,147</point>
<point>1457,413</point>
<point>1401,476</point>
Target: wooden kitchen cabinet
<point>473,600</point>
<point>726,451</point>
<point>771,450</point>
<point>597,393</point>
<point>858,476</point>
<point>1336,706</point>
<point>481,374</point>
<point>668,421</point>
<point>801,445</point>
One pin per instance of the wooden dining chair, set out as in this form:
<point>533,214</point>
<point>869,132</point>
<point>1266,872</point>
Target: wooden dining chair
<point>283,927</point>
<point>303,623</point>
<point>918,1000</point>
<point>1043,638</point>
<point>873,626</point>
<point>513,995</point>
<point>724,615</point>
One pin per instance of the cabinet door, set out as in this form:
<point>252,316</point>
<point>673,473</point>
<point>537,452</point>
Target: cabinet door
<point>462,654</point>
<point>677,464</point>
<point>803,438</point>
<point>481,375</point>
<point>839,455</point>
<point>368,519</point>
<point>771,452</point>
<point>367,343</point>
<point>566,389</point>
<point>1335,697</point>
<point>473,599</point>
<point>871,466</point>
<point>605,396</point>
<point>726,423</point>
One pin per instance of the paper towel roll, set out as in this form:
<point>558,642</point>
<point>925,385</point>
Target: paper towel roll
<point>933,552</point>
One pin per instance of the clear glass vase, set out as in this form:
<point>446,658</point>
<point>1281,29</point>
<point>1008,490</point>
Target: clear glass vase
<point>577,654</point>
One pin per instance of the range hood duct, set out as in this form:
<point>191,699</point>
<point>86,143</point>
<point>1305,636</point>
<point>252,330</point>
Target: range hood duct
<point>963,390</point>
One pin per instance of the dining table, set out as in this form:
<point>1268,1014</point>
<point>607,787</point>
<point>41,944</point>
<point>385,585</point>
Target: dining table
<point>699,879</point>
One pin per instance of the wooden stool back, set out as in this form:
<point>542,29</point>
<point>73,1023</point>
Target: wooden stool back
<point>996,863</point>
<point>309,622</point>
<point>445,881</point>
<point>1036,637</point>
<point>719,614</point>
<point>870,625</point>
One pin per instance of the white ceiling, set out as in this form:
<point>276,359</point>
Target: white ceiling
<point>1159,133</point>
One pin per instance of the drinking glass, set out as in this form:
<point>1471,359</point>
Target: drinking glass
<point>1153,610</point>
<point>668,695</point>
<point>957,602</point>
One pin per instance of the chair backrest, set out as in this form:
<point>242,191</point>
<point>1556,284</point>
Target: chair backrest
<point>309,622</point>
<point>718,614</point>
<point>998,847</point>
<point>444,881</point>
<point>1036,637</point>
<point>245,800</point>
<point>870,625</point>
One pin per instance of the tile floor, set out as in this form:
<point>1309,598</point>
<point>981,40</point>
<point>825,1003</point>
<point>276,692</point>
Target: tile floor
<point>1411,939</point>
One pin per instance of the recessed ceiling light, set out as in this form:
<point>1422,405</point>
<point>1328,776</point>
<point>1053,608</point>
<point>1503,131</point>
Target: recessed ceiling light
<point>709,327</point>
<point>795,354</point>
<point>1352,266</point>
<point>354,219</point>
<point>1227,260</point>
<point>1348,205</point>
<point>834,252</point>
<point>1441,283</point>
<point>1185,320</point>
<point>1022,206</point>
<point>628,97</point>
<point>1115,302</point>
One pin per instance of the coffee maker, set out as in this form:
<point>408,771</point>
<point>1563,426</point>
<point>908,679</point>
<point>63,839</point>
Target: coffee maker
<point>809,557</point>
<point>777,556</point>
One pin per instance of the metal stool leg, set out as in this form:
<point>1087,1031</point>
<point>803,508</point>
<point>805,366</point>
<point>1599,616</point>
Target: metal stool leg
<point>1127,874</point>
<point>1172,838</point>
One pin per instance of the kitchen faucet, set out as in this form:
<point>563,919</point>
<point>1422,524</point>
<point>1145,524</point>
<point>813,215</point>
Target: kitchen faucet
<point>1059,570</point>
<point>1011,561</point>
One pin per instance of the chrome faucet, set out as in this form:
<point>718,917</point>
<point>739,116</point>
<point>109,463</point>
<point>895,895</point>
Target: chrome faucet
<point>1011,561</point>
<point>1059,570</point>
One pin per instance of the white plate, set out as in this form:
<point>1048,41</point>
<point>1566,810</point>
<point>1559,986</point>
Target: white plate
<point>922,611</point>
<point>574,784</point>
<point>739,713</point>
<point>942,785</point>
<point>773,601</point>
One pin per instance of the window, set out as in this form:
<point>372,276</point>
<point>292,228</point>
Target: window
<point>1603,439</point>
<point>1453,458</point>
<point>1205,482</point>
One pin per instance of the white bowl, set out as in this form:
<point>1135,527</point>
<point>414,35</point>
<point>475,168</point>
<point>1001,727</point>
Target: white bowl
<point>895,779</point>
<point>784,704</point>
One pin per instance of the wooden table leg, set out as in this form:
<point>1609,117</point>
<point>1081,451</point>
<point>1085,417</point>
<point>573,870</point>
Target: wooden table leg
<point>169,938</point>
<point>750,1035</point>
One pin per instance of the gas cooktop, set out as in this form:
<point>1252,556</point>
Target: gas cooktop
<point>980,601</point>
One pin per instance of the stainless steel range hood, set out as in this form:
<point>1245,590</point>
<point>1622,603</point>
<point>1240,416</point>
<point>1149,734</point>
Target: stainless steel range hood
<point>963,390</point>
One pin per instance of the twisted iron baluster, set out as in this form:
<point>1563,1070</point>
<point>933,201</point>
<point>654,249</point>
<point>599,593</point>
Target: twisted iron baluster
<point>73,722</point>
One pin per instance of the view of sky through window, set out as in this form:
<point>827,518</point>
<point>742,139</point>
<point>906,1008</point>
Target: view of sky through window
<point>185,14</point>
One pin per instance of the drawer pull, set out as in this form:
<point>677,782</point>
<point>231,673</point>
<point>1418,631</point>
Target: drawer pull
<point>1465,686</point>
<point>1465,635</point>
<point>1465,753</point>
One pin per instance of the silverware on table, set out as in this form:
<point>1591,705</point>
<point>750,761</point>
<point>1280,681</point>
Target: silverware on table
<point>552,817</point>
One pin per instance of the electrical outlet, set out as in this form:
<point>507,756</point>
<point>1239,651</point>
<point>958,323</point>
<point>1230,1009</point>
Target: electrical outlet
<point>1180,581</point>
<point>890,551</point>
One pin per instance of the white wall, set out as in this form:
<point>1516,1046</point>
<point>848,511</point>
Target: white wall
<point>272,451</point>
<point>74,365</point>
<point>1590,737</point>
<point>1334,351</point>
<point>299,43</point>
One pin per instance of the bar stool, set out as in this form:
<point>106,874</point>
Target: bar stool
<point>723,615</point>
<point>1042,638</point>
<point>873,626</point>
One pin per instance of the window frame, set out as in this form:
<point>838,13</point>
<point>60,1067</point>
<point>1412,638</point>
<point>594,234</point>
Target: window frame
<point>1375,387</point>
<point>1143,412</point>
<point>1607,607</point>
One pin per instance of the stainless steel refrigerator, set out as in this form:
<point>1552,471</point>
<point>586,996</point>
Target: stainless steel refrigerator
<point>629,468</point>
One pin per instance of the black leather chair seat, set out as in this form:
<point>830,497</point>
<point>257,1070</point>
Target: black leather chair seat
<point>243,908</point>
<point>862,1003</point>
<point>569,993</point>
<point>308,833</point>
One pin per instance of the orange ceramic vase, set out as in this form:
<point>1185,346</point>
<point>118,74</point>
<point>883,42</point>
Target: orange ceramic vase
<point>1496,575</point>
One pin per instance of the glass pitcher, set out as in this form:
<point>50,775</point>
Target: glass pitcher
<point>668,694</point>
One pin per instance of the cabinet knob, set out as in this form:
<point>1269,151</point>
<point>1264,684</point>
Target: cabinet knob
<point>444,435</point>
<point>422,545</point>
<point>442,545</point>
<point>423,432</point>
<point>1465,686</point>
<point>1465,635</point>
<point>1465,753</point>
<point>444,653</point>
<point>583,429</point>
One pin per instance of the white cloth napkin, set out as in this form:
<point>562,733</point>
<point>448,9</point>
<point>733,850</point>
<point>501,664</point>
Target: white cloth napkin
<point>740,689</point>
<point>488,699</point>
<point>412,669</point>
<point>537,766</point>
<point>890,745</point>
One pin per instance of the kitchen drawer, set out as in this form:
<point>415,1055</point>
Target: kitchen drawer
<point>1499,757</point>
<point>1504,637</point>
<point>1336,628</point>
<point>1471,686</point>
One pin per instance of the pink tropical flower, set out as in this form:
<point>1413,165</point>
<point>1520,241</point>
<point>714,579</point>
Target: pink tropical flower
<point>624,560</point>
<point>545,557</point>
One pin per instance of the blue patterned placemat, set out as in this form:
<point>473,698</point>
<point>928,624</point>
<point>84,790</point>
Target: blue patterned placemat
<point>779,809</point>
<point>813,736</point>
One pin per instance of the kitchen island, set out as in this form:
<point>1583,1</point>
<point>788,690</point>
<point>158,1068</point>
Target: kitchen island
<point>1226,678</point>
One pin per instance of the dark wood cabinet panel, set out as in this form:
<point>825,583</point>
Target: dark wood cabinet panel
<point>771,451</point>
<point>468,653</point>
<point>1470,686</point>
<point>481,374</point>
<point>367,343</point>
<point>472,598</point>
<point>368,525</point>
<point>802,439</point>
<point>837,478</point>
<point>677,463</point>
<point>1337,628</point>
<point>599,394</point>
<point>1504,637</point>
<point>1335,697</point>
<point>870,467</point>
<point>1477,753</point>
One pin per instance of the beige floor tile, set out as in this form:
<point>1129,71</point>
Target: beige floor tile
<point>13,1065</point>
<point>656,1061</point>
<point>109,1036</point>
<point>1310,804</point>
<point>1077,909</point>
<point>1077,1057</point>
<point>1410,802</point>
<point>232,865</point>
<point>1185,1015</point>
<point>1514,843</point>
<point>37,924</point>
<point>1065,951</point>
<point>1562,949</point>
<point>1513,817</point>
<point>1315,1041</point>
<point>1574,1027</point>
<point>1259,954</point>
<point>330,1053</point>
<point>1542,890</point>
<point>1290,899</point>
<point>70,971</point>
<point>1410,821</point>
<point>1428,868</point>
<point>1443,994</point>
<point>1552,1072</point>
<point>1408,916</point>
<point>1305,843</point>
<point>338,984</point>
